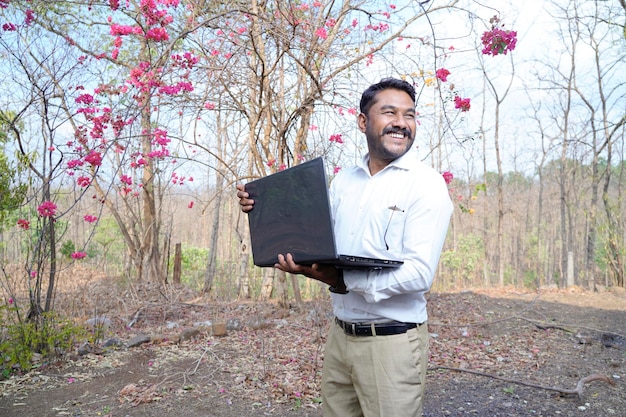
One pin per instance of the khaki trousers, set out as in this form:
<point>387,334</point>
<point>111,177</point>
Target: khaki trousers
<point>374,376</point>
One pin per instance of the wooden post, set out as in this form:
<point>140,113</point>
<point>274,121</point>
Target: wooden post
<point>178,255</point>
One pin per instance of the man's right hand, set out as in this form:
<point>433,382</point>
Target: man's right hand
<point>245,202</point>
<point>325,273</point>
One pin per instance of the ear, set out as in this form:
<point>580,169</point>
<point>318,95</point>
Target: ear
<point>362,122</point>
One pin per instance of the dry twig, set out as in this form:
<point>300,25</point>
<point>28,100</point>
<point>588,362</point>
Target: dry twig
<point>565,392</point>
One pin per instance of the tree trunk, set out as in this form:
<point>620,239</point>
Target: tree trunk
<point>211,267</point>
<point>296,290</point>
<point>282,289</point>
<point>500,218</point>
<point>244,287</point>
<point>267,285</point>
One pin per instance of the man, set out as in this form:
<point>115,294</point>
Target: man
<point>390,205</point>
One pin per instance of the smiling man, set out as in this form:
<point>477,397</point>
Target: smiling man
<point>389,205</point>
<point>388,120</point>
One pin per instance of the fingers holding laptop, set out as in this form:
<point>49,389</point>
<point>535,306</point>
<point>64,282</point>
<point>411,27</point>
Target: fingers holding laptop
<point>246,203</point>
<point>327,274</point>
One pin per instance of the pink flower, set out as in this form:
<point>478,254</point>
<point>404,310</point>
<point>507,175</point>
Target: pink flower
<point>11,300</point>
<point>448,177</point>
<point>157,34</point>
<point>336,170</point>
<point>160,137</point>
<point>190,205</point>
<point>70,380</point>
<point>79,255</point>
<point>74,163</point>
<point>30,17</point>
<point>271,163</point>
<point>121,30</point>
<point>159,154</point>
<point>321,32</point>
<point>94,158</point>
<point>462,103</point>
<point>337,137</point>
<point>47,209</point>
<point>209,106</point>
<point>497,41</point>
<point>23,224</point>
<point>89,218</point>
<point>84,99</point>
<point>83,181</point>
<point>442,74</point>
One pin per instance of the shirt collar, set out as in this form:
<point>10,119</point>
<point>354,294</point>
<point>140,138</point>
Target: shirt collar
<point>405,162</point>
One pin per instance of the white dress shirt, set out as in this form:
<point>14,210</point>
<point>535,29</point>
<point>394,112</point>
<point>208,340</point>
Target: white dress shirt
<point>402,212</point>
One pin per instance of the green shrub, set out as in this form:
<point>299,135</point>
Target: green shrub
<point>68,248</point>
<point>49,336</point>
<point>464,262</point>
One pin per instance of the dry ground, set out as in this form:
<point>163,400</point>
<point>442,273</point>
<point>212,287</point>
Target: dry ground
<point>272,364</point>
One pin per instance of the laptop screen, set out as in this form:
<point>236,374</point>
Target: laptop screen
<point>292,215</point>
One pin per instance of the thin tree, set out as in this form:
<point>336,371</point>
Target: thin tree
<point>499,97</point>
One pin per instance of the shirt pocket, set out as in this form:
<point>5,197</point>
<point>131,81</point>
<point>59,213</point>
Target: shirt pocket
<point>384,233</point>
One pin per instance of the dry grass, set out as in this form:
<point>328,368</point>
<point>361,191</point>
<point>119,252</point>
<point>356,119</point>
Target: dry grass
<point>82,292</point>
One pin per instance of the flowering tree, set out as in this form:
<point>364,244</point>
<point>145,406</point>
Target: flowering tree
<point>288,58</point>
<point>32,94</point>
<point>496,41</point>
<point>146,84</point>
<point>119,152</point>
<point>284,67</point>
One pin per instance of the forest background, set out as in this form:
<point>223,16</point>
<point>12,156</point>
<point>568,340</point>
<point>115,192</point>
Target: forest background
<point>125,125</point>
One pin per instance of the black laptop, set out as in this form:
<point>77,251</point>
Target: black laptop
<point>291,214</point>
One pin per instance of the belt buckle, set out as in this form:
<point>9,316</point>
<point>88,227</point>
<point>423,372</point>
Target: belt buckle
<point>353,328</point>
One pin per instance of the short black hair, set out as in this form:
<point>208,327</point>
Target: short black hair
<point>384,84</point>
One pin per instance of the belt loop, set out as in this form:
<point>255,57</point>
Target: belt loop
<point>373,329</point>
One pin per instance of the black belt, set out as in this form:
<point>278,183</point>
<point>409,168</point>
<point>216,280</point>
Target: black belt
<point>375,329</point>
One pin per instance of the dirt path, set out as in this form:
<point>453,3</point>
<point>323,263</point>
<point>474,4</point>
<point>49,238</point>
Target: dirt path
<point>272,365</point>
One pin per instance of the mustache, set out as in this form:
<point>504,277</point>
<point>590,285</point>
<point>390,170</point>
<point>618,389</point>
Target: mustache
<point>405,132</point>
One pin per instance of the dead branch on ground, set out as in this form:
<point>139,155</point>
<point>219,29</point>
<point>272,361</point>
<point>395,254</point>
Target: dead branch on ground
<point>539,324</point>
<point>564,392</point>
